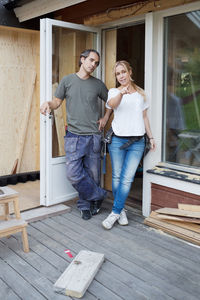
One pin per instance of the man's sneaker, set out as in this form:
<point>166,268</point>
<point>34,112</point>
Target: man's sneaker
<point>95,207</point>
<point>110,220</point>
<point>123,218</point>
<point>86,214</point>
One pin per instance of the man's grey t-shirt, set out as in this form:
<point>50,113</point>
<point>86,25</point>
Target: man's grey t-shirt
<point>82,102</point>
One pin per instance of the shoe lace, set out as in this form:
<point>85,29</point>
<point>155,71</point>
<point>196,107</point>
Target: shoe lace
<point>113,216</point>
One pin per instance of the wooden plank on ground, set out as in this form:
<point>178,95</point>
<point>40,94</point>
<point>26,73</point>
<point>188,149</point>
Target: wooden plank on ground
<point>178,212</point>
<point>79,274</point>
<point>189,226</point>
<point>186,225</point>
<point>179,219</point>
<point>44,212</point>
<point>178,231</point>
<point>189,207</point>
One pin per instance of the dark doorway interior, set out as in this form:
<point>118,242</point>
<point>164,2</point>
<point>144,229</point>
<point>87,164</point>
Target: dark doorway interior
<point>131,47</point>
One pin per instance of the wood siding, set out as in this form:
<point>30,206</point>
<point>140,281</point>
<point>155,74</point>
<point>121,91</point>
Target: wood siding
<point>162,196</point>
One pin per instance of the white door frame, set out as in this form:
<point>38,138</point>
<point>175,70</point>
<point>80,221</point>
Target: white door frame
<point>52,170</point>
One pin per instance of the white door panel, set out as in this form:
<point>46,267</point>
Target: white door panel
<point>59,51</point>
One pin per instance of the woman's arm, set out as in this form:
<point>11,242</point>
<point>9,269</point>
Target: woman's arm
<point>148,129</point>
<point>115,101</point>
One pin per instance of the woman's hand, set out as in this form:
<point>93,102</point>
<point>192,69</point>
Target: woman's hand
<point>102,123</point>
<point>153,144</point>
<point>125,90</point>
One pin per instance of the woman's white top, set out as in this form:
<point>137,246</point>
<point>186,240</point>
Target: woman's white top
<point>128,116</point>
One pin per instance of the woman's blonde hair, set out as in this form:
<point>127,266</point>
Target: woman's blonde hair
<point>128,68</point>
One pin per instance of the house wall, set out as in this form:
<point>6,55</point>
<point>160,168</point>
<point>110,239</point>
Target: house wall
<point>162,196</point>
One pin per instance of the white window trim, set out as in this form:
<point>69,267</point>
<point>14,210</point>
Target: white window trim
<point>154,89</point>
<point>160,19</point>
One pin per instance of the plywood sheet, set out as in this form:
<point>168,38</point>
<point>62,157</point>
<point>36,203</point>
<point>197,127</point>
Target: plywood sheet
<point>32,139</point>
<point>178,212</point>
<point>14,112</point>
<point>19,63</point>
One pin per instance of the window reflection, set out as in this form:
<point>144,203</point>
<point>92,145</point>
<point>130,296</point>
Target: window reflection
<point>182,89</point>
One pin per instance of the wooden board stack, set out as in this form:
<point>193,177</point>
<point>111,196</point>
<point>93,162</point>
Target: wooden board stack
<point>183,222</point>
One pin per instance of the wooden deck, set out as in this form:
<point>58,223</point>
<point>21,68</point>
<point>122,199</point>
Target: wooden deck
<point>141,263</point>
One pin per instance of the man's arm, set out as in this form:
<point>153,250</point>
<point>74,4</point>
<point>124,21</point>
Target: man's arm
<point>47,106</point>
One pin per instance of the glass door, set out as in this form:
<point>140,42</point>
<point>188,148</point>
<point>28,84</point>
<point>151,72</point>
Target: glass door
<point>61,45</point>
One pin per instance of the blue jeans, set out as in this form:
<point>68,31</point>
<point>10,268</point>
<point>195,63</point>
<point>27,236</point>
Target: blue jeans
<point>83,162</point>
<point>124,165</point>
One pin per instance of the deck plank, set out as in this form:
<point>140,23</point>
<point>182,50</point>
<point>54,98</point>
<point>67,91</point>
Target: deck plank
<point>32,276</point>
<point>136,227</point>
<point>54,234</point>
<point>157,252</point>
<point>18,283</point>
<point>94,245</point>
<point>132,233</point>
<point>34,260</point>
<point>6,292</point>
<point>159,270</point>
<point>141,263</point>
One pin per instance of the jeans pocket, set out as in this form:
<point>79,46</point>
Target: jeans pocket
<point>70,144</point>
<point>96,143</point>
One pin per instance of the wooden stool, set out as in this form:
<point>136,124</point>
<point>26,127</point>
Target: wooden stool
<point>12,225</point>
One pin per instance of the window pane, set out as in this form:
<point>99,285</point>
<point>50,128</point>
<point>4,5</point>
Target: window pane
<point>181,143</point>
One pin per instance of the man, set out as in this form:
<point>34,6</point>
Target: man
<point>83,138</point>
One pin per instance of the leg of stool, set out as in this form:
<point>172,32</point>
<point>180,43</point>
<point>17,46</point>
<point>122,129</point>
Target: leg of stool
<point>25,240</point>
<point>6,210</point>
<point>16,208</point>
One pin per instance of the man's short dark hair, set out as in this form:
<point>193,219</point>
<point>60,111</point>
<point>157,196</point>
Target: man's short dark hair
<point>86,53</point>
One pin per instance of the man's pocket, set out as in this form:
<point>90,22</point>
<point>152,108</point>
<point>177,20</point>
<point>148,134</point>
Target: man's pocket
<point>71,147</point>
<point>96,143</point>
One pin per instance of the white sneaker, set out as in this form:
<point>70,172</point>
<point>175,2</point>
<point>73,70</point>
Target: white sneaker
<point>123,218</point>
<point>110,220</point>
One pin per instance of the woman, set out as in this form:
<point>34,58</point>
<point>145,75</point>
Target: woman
<point>129,125</point>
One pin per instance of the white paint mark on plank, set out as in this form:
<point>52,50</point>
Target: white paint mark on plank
<point>79,274</point>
